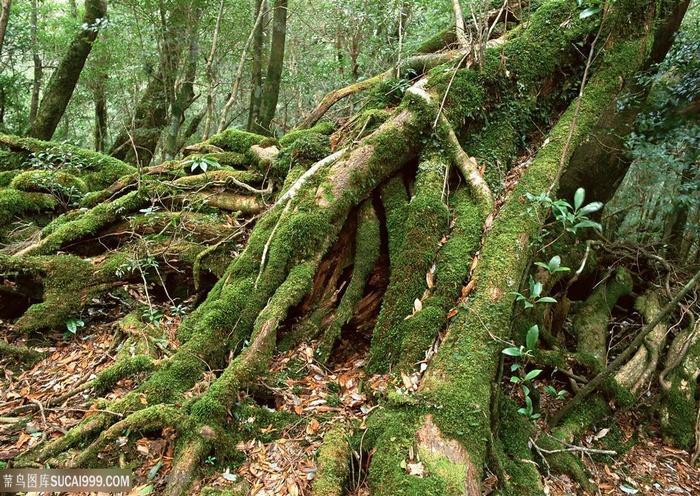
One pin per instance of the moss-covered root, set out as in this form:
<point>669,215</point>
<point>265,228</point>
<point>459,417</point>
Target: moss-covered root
<point>20,355</point>
<point>183,473</point>
<point>333,463</point>
<point>592,319</point>
<point>254,360</point>
<point>638,371</point>
<point>89,223</point>
<point>367,247</point>
<point>87,429</point>
<point>452,266</point>
<point>411,257</point>
<point>680,385</point>
<point>149,419</point>
<point>412,456</point>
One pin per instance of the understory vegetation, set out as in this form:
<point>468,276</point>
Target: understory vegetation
<point>438,293</point>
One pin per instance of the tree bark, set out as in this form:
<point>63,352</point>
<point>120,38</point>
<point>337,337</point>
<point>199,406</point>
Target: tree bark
<point>4,19</point>
<point>65,77</point>
<point>275,66</point>
<point>38,69</point>
<point>256,86</point>
<point>136,144</point>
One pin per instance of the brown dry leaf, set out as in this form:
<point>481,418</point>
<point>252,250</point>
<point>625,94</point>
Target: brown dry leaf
<point>452,313</point>
<point>417,305</point>
<point>429,280</point>
<point>469,287</point>
<point>23,438</point>
<point>313,426</point>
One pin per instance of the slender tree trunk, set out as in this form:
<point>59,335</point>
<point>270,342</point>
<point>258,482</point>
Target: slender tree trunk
<point>185,94</point>
<point>4,18</point>
<point>274,69</point>
<point>210,73</point>
<point>65,77</point>
<point>256,88</point>
<point>100,112</point>
<point>38,68</point>
<point>137,144</point>
<point>224,119</point>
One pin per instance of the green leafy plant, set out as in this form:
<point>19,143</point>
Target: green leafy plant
<point>201,163</point>
<point>572,217</point>
<point>74,324</point>
<point>535,295</point>
<point>553,266</point>
<point>520,375</point>
<point>152,315</point>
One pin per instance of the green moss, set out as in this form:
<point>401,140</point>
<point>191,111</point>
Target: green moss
<point>310,148</point>
<point>323,127</point>
<point>6,177</point>
<point>333,463</point>
<point>411,256</point>
<point>235,140</point>
<point>64,186</point>
<point>90,222</point>
<point>233,159</point>
<point>465,97</point>
<point>14,202</point>
<point>124,368</point>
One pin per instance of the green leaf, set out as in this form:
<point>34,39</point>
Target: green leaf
<point>580,194</point>
<point>512,351</point>
<point>554,263</point>
<point>514,367</point>
<point>536,289</point>
<point>154,471</point>
<point>533,334</point>
<point>590,11</point>
<point>546,299</point>
<point>526,390</point>
<point>590,208</point>
<point>532,374</point>
<point>588,223</point>
<point>72,325</point>
<point>514,379</point>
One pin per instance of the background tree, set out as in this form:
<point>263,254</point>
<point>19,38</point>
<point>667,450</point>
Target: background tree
<point>63,80</point>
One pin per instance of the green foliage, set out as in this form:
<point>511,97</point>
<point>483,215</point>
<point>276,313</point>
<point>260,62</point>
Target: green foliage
<point>201,164</point>
<point>571,217</point>
<point>535,295</point>
<point>73,324</point>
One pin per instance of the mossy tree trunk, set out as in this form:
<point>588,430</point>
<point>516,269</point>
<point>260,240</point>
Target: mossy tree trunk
<point>136,143</point>
<point>64,79</point>
<point>413,199</point>
<point>271,88</point>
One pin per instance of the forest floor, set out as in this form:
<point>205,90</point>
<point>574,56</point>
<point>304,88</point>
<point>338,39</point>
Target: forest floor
<point>283,462</point>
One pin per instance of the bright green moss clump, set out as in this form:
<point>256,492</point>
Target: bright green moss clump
<point>61,184</point>
<point>235,140</point>
<point>323,127</point>
<point>14,202</point>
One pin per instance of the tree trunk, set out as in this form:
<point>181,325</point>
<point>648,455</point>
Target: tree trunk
<point>136,144</point>
<point>4,19</point>
<point>38,69</point>
<point>271,89</point>
<point>256,85</point>
<point>100,99</point>
<point>185,93</point>
<point>65,77</point>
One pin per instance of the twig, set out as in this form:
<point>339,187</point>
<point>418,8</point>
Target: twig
<point>636,343</point>
<point>571,448</point>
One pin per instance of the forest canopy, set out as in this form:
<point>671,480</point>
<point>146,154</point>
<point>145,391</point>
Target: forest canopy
<point>321,247</point>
